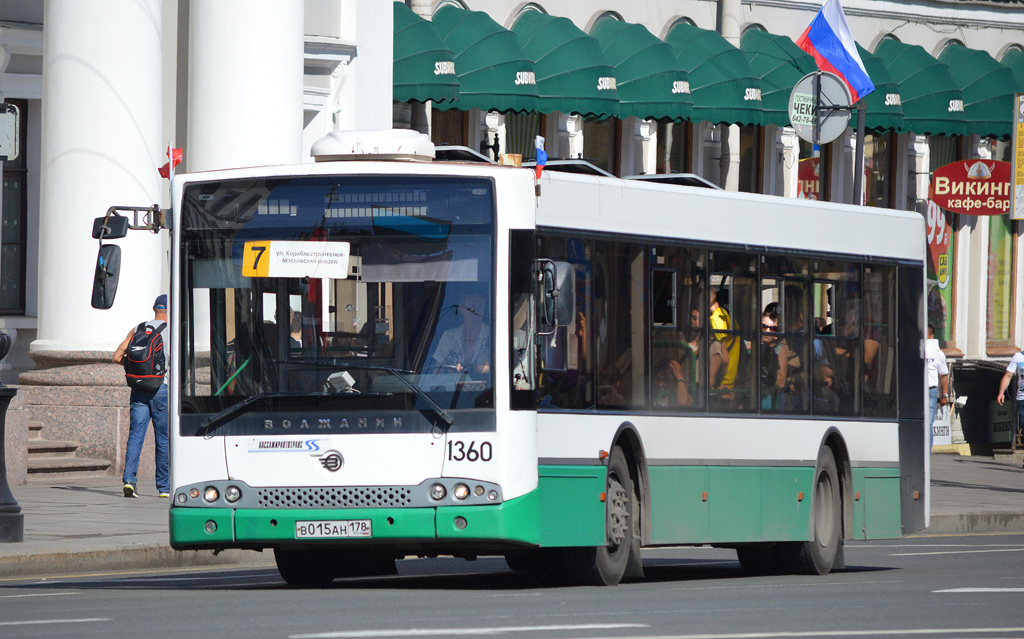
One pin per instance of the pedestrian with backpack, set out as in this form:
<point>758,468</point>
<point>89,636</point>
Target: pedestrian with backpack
<point>143,353</point>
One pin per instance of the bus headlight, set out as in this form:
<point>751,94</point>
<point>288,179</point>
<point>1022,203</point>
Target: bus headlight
<point>437,492</point>
<point>461,491</point>
<point>211,494</point>
<point>232,494</point>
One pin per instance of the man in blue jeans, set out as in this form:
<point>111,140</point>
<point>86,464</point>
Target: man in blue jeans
<point>147,405</point>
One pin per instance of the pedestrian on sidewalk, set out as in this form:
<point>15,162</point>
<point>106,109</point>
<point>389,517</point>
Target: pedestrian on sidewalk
<point>142,353</point>
<point>1016,365</point>
<point>937,377</point>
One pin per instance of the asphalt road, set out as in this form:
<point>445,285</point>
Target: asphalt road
<point>930,586</point>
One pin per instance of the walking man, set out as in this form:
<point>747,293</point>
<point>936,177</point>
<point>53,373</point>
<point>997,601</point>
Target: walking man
<point>1016,366</point>
<point>937,376</point>
<point>146,372</point>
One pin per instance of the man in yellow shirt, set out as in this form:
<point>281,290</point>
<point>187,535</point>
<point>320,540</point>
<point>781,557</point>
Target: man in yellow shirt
<point>719,321</point>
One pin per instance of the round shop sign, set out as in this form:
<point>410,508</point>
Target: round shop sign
<point>835,107</point>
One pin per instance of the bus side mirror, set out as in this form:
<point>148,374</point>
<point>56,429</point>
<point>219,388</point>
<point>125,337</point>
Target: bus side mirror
<point>104,282</point>
<point>109,227</point>
<point>558,300</point>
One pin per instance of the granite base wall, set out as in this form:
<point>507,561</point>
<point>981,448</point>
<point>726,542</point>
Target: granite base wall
<point>16,441</point>
<point>82,397</point>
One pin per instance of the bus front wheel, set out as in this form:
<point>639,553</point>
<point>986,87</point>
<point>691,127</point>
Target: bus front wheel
<point>606,565</point>
<point>818,556</point>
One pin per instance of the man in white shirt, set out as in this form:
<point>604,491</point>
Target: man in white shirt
<point>937,378</point>
<point>1016,366</point>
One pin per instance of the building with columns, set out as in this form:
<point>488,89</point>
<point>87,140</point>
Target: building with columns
<point>105,87</point>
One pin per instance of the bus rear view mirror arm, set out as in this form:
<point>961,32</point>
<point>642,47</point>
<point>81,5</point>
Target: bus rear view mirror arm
<point>558,286</point>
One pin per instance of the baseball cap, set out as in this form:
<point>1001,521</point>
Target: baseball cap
<point>161,302</point>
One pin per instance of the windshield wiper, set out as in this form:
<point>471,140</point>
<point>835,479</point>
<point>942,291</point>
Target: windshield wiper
<point>239,408</point>
<point>397,372</point>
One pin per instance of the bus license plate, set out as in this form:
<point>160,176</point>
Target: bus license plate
<point>333,529</point>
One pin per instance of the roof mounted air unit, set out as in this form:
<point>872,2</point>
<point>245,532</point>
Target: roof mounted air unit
<point>385,144</point>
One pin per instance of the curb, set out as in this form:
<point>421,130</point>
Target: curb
<point>974,523</point>
<point>139,558</point>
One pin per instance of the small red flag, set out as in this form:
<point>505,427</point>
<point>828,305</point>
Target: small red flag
<point>175,157</point>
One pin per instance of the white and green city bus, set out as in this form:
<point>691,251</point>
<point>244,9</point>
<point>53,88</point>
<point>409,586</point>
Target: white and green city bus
<point>376,357</point>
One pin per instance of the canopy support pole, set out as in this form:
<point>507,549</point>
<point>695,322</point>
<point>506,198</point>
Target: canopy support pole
<point>858,162</point>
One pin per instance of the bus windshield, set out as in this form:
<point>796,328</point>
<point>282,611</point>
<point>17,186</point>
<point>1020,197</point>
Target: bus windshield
<point>359,303</point>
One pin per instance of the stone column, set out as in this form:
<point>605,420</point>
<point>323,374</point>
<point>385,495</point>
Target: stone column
<point>245,83</point>
<point>101,123</point>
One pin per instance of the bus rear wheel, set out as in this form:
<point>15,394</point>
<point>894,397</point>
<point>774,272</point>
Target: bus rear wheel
<point>606,565</point>
<point>818,556</point>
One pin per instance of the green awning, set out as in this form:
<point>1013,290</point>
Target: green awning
<point>494,72</point>
<point>424,68</point>
<point>988,89</point>
<point>573,76</point>
<point>780,64</point>
<point>883,110</point>
<point>725,89</point>
<point>650,82</point>
<point>1014,60</point>
<point>932,100</point>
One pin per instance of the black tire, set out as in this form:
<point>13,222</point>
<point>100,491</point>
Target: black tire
<point>818,556</point>
<point>759,559</point>
<point>533,560</point>
<point>303,567</point>
<point>606,565</point>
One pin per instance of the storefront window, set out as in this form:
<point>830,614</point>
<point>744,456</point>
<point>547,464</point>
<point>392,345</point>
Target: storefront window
<point>448,127</point>
<point>751,167</point>
<point>999,305</point>
<point>521,131</point>
<point>808,180</point>
<point>601,143</point>
<point>674,147</point>
<point>878,169</point>
<point>14,228</point>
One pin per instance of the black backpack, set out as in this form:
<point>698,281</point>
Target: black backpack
<point>144,362</point>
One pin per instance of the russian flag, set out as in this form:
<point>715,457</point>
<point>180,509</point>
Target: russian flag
<point>542,156</point>
<point>829,40</point>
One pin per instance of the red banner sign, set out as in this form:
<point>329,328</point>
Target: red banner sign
<point>973,187</point>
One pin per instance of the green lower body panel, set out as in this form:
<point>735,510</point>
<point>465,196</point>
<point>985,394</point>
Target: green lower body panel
<point>876,509</point>
<point>729,504</point>
<point>572,512</point>
<point>515,521</point>
<point>736,504</point>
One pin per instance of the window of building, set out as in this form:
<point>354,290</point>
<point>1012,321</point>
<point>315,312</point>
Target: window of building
<point>878,169</point>
<point>449,127</point>
<point>14,228</point>
<point>809,171</point>
<point>751,152</point>
<point>999,316</point>
<point>601,143</point>
<point>674,155</point>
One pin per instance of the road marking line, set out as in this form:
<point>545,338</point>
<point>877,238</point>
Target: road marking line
<point>430,632</point>
<point>981,590</point>
<point>953,552</point>
<point>36,622</point>
<point>39,594</point>
<point>839,633</point>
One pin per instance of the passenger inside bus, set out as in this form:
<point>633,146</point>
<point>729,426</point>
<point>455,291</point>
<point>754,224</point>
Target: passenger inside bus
<point>466,347</point>
<point>724,373</point>
<point>774,362</point>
